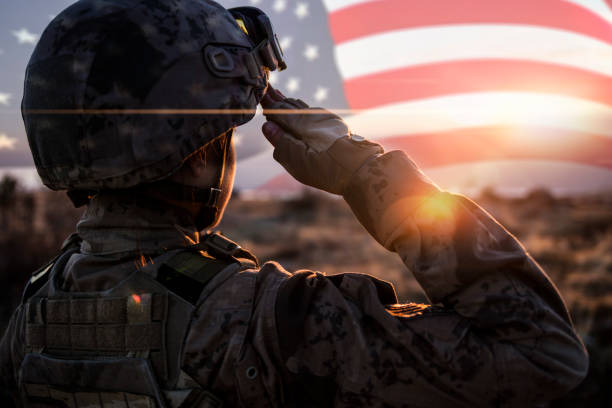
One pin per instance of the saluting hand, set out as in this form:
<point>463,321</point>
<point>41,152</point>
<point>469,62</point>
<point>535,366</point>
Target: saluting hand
<point>314,145</point>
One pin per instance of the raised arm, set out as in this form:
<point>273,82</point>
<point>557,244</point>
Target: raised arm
<point>498,333</point>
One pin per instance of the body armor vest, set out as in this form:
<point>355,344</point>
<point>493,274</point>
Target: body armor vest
<point>121,347</point>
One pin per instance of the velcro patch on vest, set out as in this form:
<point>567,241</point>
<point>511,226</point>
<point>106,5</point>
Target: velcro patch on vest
<point>188,273</point>
<point>97,324</point>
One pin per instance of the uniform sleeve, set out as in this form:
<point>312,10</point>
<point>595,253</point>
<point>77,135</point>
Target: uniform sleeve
<point>497,332</point>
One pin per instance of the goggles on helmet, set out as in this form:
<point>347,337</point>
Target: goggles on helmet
<point>256,24</point>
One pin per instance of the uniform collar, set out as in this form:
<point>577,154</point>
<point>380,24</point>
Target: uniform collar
<point>127,225</point>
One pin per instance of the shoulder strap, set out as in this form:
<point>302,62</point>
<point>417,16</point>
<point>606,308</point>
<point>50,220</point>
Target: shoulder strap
<point>224,248</point>
<point>187,273</point>
<point>41,275</point>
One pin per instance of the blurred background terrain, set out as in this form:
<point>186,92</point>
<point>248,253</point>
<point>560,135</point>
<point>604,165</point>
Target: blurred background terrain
<point>571,237</point>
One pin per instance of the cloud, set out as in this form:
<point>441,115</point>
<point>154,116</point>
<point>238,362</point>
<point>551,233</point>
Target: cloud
<point>4,98</point>
<point>7,143</point>
<point>1,51</point>
<point>24,36</point>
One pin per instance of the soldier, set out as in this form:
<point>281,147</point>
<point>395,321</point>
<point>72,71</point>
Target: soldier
<point>140,309</point>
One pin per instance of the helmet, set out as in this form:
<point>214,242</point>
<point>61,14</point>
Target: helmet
<point>120,92</point>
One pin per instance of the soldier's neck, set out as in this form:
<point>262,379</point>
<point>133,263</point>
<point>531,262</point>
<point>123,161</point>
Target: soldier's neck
<point>122,225</point>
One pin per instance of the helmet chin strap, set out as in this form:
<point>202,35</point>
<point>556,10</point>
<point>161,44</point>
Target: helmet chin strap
<point>209,212</point>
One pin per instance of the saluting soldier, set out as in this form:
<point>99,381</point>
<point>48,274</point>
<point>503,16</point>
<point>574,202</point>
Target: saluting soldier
<point>142,309</point>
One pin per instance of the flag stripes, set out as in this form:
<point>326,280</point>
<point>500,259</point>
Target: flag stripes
<point>369,18</point>
<point>426,81</point>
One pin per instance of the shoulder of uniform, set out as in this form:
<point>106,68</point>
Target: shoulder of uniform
<point>41,276</point>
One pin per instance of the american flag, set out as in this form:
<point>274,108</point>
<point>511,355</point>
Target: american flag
<point>509,93</point>
<point>470,86</point>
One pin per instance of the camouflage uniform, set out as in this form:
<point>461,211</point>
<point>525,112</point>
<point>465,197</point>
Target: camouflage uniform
<point>497,334</point>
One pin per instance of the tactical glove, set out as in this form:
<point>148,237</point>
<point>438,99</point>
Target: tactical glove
<point>314,145</point>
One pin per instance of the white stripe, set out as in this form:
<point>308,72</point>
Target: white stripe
<point>397,49</point>
<point>483,109</point>
<point>335,5</point>
<point>517,177</point>
<point>598,7</point>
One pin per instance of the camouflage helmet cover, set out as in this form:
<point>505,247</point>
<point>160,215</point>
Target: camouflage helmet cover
<point>103,70</point>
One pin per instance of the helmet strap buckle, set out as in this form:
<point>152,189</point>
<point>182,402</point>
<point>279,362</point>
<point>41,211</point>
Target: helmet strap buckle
<point>213,197</point>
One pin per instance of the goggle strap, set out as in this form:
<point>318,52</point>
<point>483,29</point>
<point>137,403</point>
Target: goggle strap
<point>253,68</point>
<point>266,52</point>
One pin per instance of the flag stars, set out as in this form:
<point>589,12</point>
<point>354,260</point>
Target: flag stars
<point>24,36</point>
<point>321,94</point>
<point>273,79</point>
<point>301,10</point>
<point>6,142</point>
<point>4,98</point>
<point>237,138</point>
<point>285,43</point>
<point>293,85</point>
<point>311,52</point>
<point>280,6</point>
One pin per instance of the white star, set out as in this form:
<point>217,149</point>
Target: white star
<point>321,94</point>
<point>7,142</point>
<point>273,78</point>
<point>237,138</point>
<point>285,43</point>
<point>4,98</point>
<point>301,10</point>
<point>311,52</point>
<point>293,85</point>
<point>279,6</point>
<point>25,37</point>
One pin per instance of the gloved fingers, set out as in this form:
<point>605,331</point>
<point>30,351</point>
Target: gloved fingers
<point>272,132</point>
<point>298,103</point>
<point>299,161</point>
<point>307,125</point>
<point>274,94</point>
<point>329,169</point>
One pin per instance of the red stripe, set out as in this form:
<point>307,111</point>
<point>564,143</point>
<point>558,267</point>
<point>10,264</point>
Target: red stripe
<point>386,15</point>
<point>503,143</point>
<point>425,81</point>
<point>489,144</point>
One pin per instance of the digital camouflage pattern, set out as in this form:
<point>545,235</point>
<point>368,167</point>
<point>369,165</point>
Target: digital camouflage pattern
<point>98,68</point>
<point>497,332</point>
